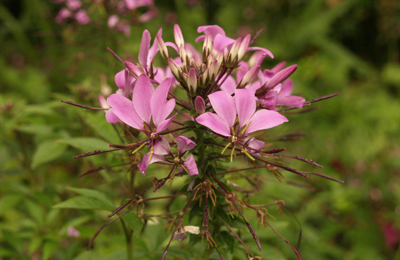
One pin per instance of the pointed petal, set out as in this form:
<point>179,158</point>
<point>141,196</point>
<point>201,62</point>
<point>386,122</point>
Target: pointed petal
<point>229,85</point>
<point>124,110</point>
<point>153,50</point>
<point>144,49</point>
<point>164,124</point>
<point>269,100</point>
<point>261,49</point>
<point>245,105</point>
<point>184,144</point>
<point>120,79</point>
<point>215,123</point>
<point>224,106</point>
<point>141,97</point>
<point>160,109</point>
<point>221,42</point>
<point>290,101</point>
<point>145,161</point>
<point>191,166</point>
<point>111,117</point>
<point>162,147</point>
<point>242,70</point>
<point>265,119</point>
<point>213,30</point>
<point>287,88</point>
<point>255,144</point>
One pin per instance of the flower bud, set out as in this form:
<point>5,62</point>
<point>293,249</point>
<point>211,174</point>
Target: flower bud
<point>135,71</point>
<point>200,105</point>
<point>243,47</point>
<point>281,76</point>
<point>205,77</point>
<point>207,47</point>
<point>249,76</point>
<point>162,47</point>
<point>213,72</point>
<point>192,82</point>
<point>178,36</point>
<point>233,53</point>
<point>278,67</point>
<point>175,69</point>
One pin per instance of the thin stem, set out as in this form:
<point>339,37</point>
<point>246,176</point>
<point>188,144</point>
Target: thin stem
<point>94,153</point>
<point>115,55</point>
<point>128,238</point>
<point>102,168</point>
<point>178,129</point>
<point>82,106</point>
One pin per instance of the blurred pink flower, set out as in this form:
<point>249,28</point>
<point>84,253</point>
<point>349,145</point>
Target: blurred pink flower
<point>72,232</point>
<point>82,17</point>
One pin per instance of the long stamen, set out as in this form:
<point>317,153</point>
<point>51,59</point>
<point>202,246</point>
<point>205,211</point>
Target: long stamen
<point>248,155</point>
<point>147,128</point>
<point>244,129</point>
<point>139,148</point>
<point>226,147</point>
<point>232,152</point>
<point>151,152</point>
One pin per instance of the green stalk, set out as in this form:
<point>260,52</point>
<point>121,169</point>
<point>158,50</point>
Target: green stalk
<point>128,237</point>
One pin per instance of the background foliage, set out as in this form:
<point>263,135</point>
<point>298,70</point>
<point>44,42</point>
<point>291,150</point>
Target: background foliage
<point>351,47</point>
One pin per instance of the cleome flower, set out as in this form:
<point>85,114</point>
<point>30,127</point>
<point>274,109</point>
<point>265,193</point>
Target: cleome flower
<point>162,152</point>
<point>242,105</point>
<point>147,104</point>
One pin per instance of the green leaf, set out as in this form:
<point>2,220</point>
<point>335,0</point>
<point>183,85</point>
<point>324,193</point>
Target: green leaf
<point>48,248</point>
<point>93,194</point>
<point>133,221</point>
<point>34,244</point>
<point>8,201</point>
<point>83,202</point>
<point>103,128</point>
<point>35,211</point>
<point>85,143</point>
<point>36,129</point>
<point>46,152</point>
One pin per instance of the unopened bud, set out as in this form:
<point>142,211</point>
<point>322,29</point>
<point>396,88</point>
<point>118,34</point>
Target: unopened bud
<point>207,47</point>
<point>213,72</point>
<point>281,76</point>
<point>175,69</point>
<point>200,105</point>
<point>178,36</point>
<point>249,76</point>
<point>205,77</point>
<point>192,82</point>
<point>243,47</point>
<point>162,47</point>
<point>134,70</point>
<point>278,67</point>
<point>233,53</point>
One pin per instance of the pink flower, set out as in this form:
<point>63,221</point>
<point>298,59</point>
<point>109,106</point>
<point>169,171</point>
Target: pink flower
<point>74,4</point>
<point>147,53</point>
<point>72,232</point>
<point>147,104</point>
<point>133,4</point>
<point>112,21</point>
<point>63,14</point>
<point>82,17</point>
<point>162,149</point>
<point>242,105</point>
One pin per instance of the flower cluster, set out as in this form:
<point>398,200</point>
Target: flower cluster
<point>120,12</point>
<point>203,105</point>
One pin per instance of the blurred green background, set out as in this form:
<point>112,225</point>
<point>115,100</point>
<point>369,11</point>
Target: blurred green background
<point>346,46</point>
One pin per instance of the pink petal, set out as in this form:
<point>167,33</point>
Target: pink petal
<point>184,144</point>
<point>164,124</point>
<point>124,110</point>
<point>224,105</point>
<point>213,30</point>
<point>229,85</point>
<point>221,42</point>
<point>261,49</point>
<point>269,100</point>
<point>242,70</point>
<point>153,50</point>
<point>111,117</point>
<point>255,144</point>
<point>141,97</point>
<point>264,119</point>
<point>290,101</point>
<point>215,123</point>
<point>145,161</point>
<point>287,88</point>
<point>245,105</point>
<point>144,49</point>
<point>162,147</point>
<point>160,109</point>
<point>191,166</point>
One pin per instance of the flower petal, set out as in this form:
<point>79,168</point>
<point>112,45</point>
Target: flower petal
<point>141,97</point>
<point>287,88</point>
<point>261,49</point>
<point>144,49</point>
<point>160,109</point>
<point>111,117</point>
<point>290,101</point>
<point>245,105</point>
<point>211,29</point>
<point>164,124</point>
<point>215,123</point>
<point>229,85</point>
<point>191,166</point>
<point>224,105</point>
<point>146,162</point>
<point>264,119</point>
<point>221,42</point>
<point>162,147</point>
<point>124,110</point>
<point>184,144</point>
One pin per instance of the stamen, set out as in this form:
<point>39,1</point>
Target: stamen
<point>151,152</point>
<point>226,147</point>
<point>186,170</point>
<point>139,148</point>
<point>248,155</point>
<point>244,129</point>
<point>147,128</point>
<point>233,150</point>
<point>233,131</point>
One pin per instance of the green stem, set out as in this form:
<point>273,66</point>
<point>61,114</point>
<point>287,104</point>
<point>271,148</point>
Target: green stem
<point>201,151</point>
<point>128,237</point>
